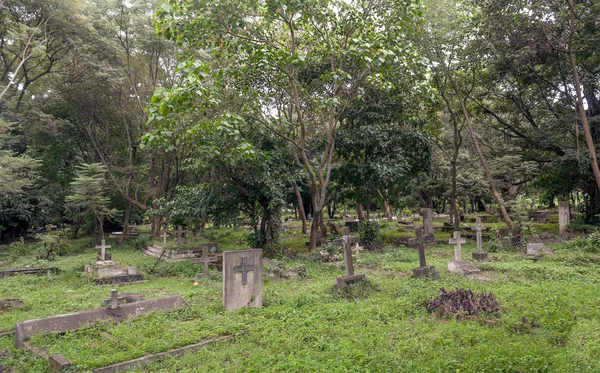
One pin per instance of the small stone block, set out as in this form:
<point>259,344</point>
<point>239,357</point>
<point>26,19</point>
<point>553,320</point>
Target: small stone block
<point>426,271</point>
<point>58,363</point>
<point>132,270</point>
<point>481,257</point>
<point>349,280</point>
<point>462,267</point>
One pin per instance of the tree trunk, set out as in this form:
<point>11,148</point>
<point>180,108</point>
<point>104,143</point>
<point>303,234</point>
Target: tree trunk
<point>386,207</point>
<point>359,211</point>
<point>301,208</point>
<point>125,221</point>
<point>368,203</point>
<point>584,121</point>
<point>485,206</point>
<point>482,160</point>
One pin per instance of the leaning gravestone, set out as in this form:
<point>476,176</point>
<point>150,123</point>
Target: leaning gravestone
<point>480,255</point>
<point>427,221</point>
<point>564,216</point>
<point>350,278</point>
<point>242,279</point>
<point>423,270</point>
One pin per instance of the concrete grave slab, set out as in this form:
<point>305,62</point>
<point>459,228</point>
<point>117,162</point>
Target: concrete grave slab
<point>28,271</point>
<point>74,321</point>
<point>242,279</point>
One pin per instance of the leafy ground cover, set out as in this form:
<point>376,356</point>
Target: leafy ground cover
<point>548,319</point>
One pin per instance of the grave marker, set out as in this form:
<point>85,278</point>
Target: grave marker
<point>164,236</point>
<point>180,234</point>
<point>102,254</point>
<point>564,216</point>
<point>478,228</point>
<point>428,221</point>
<point>463,266</point>
<point>423,270</point>
<point>350,277</point>
<point>206,259</point>
<point>242,279</point>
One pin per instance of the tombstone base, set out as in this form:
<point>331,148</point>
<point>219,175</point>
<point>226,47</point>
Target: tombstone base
<point>480,257</point>
<point>462,267</point>
<point>345,281</point>
<point>119,279</point>
<point>58,363</point>
<point>426,271</point>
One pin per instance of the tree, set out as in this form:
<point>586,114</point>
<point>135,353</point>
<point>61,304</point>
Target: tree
<point>88,191</point>
<point>297,65</point>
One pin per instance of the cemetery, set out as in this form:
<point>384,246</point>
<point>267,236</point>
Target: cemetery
<point>404,186</point>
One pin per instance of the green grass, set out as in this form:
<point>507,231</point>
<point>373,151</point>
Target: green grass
<point>304,328</point>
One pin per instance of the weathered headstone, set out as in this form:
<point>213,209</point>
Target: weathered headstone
<point>102,255</point>
<point>350,278</point>
<point>564,216</point>
<point>423,270</point>
<point>479,255</point>
<point>537,250</point>
<point>427,221</point>
<point>206,259</point>
<point>242,279</point>
<point>458,265</point>
<point>180,234</point>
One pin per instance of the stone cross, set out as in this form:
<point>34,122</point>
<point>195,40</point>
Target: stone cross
<point>244,268</point>
<point>207,259</point>
<point>179,233</point>
<point>164,236</point>
<point>114,300</point>
<point>420,243</point>
<point>479,228</point>
<point>348,258</point>
<point>457,241</point>
<point>103,248</point>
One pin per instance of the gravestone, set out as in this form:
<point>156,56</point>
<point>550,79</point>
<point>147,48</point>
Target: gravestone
<point>242,279</point>
<point>423,270</point>
<point>205,261</point>
<point>164,236</point>
<point>349,278</point>
<point>103,256</point>
<point>538,250</point>
<point>427,221</point>
<point>564,216</point>
<point>479,255</point>
<point>458,265</point>
<point>180,234</point>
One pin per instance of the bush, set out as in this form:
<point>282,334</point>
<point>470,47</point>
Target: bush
<point>368,232</point>
<point>142,242</point>
<point>463,303</point>
<point>588,245</point>
<point>49,247</point>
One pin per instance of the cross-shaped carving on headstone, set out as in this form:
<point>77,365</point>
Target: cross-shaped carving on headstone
<point>244,268</point>
<point>114,300</point>
<point>419,241</point>
<point>180,233</point>
<point>478,227</point>
<point>103,248</point>
<point>207,259</point>
<point>457,241</point>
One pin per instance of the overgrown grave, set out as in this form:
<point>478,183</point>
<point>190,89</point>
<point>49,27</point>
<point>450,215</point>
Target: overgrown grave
<point>182,249</point>
<point>460,266</point>
<point>349,278</point>
<point>117,308</point>
<point>423,270</point>
<point>28,271</point>
<point>107,271</point>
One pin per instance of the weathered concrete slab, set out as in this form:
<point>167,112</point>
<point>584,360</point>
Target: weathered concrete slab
<point>28,271</point>
<point>119,279</point>
<point>73,321</point>
<point>59,363</point>
<point>143,361</point>
<point>242,279</point>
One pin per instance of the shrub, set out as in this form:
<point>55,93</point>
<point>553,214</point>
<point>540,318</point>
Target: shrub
<point>463,303</point>
<point>588,245</point>
<point>49,247</point>
<point>369,235</point>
